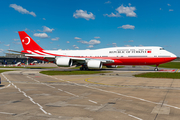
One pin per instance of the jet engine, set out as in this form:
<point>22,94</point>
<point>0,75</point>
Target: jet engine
<point>94,64</point>
<point>63,62</point>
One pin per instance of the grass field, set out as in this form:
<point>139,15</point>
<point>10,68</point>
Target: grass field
<point>40,67</point>
<point>1,71</point>
<point>170,65</point>
<point>71,72</point>
<point>159,75</point>
<point>27,67</point>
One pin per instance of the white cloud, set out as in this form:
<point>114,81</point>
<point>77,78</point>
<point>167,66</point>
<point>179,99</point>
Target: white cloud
<point>91,42</point>
<point>1,50</point>
<point>108,2</point>
<point>83,42</point>
<point>168,4</point>
<point>44,18</point>
<point>55,39</point>
<point>129,4</point>
<point>83,14</point>
<point>141,46</point>
<point>26,29</point>
<point>131,41</point>
<point>171,10</point>
<point>77,38</point>
<point>127,45</point>
<point>46,29</point>
<point>7,45</point>
<point>18,43</point>
<point>75,46</point>
<point>15,39</point>
<point>21,9</point>
<point>113,15</point>
<point>129,11</point>
<point>94,42</point>
<point>114,44</point>
<point>67,42</point>
<point>97,37</point>
<point>90,46</point>
<point>160,9</point>
<point>39,30</point>
<point>127,27</point>
<point>41,35</point>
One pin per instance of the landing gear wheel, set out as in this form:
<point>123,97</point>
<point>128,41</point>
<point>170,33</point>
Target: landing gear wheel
<point>81,68</point>
<point>84,68</point>
<point>156,69</point>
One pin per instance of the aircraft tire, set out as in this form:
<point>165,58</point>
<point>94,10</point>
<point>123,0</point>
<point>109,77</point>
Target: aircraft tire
<point>81,68</point>
<point>156,69</point>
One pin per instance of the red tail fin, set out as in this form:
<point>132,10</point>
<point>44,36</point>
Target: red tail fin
<point>27,42</point>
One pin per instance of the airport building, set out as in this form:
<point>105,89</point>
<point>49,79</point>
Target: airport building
<point>10,59</point>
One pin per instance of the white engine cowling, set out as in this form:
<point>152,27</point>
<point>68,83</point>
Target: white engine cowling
<point>63,62</point>
<point>94,64</point>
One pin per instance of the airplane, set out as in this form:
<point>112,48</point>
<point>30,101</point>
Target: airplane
<point>95,59</point>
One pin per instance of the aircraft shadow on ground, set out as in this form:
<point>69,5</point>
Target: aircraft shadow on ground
<point>2,85</point>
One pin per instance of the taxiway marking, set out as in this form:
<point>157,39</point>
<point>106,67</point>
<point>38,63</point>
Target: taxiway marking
<point>116,93</point>
<point>71,94</point>
<point>5,87</point>
<point>92,88</point>
<point>8,113</point>
<point>31,99</point>
<point>92,101</point>
<point>134,117</point>
<point>52,86</point>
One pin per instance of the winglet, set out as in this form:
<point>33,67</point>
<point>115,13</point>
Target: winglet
<point>27,42</point>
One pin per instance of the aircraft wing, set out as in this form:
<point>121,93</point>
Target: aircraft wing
<point>77,59</point>
<point>53,58</point>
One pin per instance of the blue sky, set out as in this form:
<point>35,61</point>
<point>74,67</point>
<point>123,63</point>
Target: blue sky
<point>91,24</point>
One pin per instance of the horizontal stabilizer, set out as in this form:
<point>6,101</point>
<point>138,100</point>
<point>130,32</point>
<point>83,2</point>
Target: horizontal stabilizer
<point>17,51</point>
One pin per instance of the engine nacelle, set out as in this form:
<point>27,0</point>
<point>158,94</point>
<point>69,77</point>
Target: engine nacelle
<point>63,62</point>
<point>94,64</point>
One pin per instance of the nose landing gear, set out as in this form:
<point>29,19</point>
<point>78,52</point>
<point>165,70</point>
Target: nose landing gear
<point>156,68</point>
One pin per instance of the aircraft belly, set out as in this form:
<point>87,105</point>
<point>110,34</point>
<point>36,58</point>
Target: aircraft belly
<point>142,61</point>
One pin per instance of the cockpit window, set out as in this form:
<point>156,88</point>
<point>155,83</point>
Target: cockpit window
<point>162,49</point>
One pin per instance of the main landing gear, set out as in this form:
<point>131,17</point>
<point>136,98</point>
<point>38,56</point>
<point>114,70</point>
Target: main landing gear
<point>156,68</point>
<point>84,67</point>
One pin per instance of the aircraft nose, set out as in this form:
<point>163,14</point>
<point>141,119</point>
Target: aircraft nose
<point>173,55</point>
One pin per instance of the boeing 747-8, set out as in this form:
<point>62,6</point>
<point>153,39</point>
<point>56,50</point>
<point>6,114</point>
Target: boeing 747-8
<point>95,59</point>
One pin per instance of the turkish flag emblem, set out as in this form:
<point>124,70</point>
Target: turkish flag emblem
<point>148,51</point>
